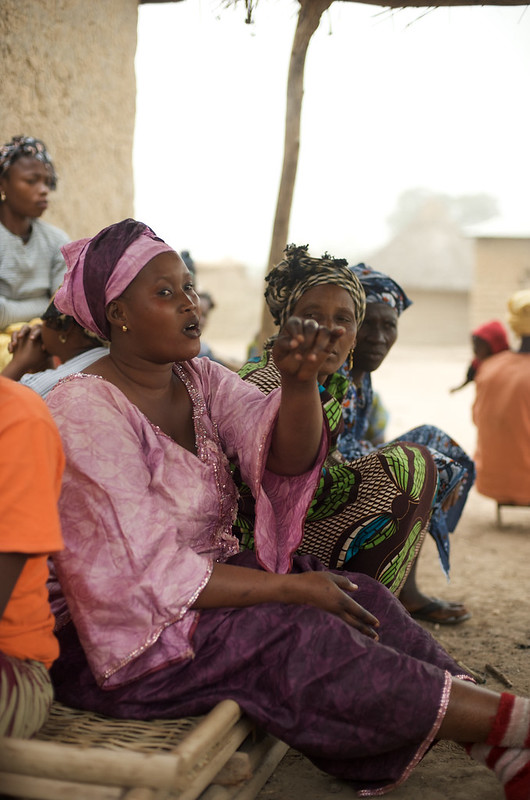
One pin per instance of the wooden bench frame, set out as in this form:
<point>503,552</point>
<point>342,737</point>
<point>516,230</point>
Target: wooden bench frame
<point>221,756</point>
<point>508,505</point>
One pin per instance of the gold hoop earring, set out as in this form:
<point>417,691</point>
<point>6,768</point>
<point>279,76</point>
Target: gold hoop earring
<point>350,359</point>
<point>2,197</point>
<point>124,328</point>
<point>63,338</point>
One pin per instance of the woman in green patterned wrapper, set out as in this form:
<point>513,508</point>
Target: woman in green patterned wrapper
<point>369,515</point>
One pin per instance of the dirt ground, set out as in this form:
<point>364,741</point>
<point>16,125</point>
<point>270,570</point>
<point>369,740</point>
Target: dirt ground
<point>490,572</point>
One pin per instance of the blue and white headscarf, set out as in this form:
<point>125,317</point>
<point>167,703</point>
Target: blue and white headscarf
<point>379,288</point>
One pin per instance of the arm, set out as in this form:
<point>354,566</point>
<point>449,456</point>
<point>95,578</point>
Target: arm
<point>239,587</point>
<point>21,310</point>
<point>11,565</point>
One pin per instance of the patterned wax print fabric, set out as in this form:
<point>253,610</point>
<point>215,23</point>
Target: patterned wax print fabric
<point>501,412</point>
<point>456,470</point>
<point>369,515</point>
<point>144,519</point>
<point>362,710</point>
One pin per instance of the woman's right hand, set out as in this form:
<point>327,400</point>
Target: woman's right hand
<point>236,587</point>
<point>329,591</point>
<point>239,587</point>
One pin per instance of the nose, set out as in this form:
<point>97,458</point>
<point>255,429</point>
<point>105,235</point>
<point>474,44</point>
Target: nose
<point>376,333</point>
<point>189,301</point>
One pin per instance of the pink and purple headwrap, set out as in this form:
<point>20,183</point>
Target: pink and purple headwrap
<point>100,269</point>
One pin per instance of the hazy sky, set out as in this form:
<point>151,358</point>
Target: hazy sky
<point>393,101</point>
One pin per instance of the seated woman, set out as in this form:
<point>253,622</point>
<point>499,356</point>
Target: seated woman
<point>31,264</point>
<point>487,340</point>
<point>385,301</point>
<point>501,412</point>
<point>161,617</point>
<point>59,336</point>
<point>369,515</point>
<point>31,465</point>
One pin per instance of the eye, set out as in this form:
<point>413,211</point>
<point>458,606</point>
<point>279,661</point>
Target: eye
<point>165,292</point>
<point>312,315</point>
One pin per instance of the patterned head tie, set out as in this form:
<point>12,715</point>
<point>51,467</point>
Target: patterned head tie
<point>26,146</point>
<point>298,272</point>
<point>380,288</point>
<point>519,312</point>
<point>100,269</point>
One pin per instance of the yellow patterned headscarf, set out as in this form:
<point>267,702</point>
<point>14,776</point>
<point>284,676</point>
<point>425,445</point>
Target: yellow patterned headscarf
<point>519,316</point>
<point>298,272</point>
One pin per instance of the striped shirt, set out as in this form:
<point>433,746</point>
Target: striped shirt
<point>43,382</point>
<point>29,273</point>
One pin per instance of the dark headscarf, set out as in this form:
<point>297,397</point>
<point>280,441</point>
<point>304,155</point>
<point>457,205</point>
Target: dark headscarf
<point>298,272</point>
<point>100,269</point>
<point>26,146</point>
<point>380,288</point>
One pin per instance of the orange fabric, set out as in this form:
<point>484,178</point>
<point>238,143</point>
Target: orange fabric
<point>501,413</point>
<point>31,465</point>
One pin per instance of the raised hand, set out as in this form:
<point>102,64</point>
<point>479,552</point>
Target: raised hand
<point>302,346</point>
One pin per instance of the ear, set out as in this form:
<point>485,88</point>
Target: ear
<point>115,314</point>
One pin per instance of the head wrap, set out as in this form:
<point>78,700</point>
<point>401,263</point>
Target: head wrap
<point>519,316</point>
<point>494,334</point>
<point>380,288</point>
<point>26,146</point>
<point>100,269</point>
<point>298,272</point>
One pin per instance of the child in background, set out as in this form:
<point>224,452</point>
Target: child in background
<point>487,340</point>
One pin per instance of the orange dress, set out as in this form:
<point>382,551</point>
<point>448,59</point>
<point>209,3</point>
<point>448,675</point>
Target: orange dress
<point>501,412</point>
<point>31,465</point>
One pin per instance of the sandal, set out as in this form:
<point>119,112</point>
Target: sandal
<point>441,612</point>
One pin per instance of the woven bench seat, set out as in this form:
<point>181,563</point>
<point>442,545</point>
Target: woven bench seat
<point>84,756</point>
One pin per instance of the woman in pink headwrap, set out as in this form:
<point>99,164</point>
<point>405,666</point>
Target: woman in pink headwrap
<point>160,616</point>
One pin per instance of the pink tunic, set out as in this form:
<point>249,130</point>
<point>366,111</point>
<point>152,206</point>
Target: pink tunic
<point>144,519</point>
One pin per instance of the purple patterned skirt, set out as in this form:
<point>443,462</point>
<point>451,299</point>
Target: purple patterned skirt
<point>362,710</point>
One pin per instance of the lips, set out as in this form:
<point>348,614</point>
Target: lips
<point>192,329</point>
